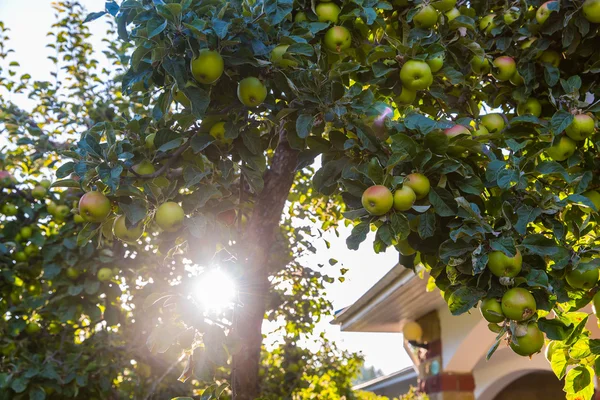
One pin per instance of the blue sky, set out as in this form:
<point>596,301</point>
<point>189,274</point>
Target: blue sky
<point>30,20</point>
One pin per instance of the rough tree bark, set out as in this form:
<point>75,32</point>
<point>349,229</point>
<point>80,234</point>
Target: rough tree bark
<point>254,289</point>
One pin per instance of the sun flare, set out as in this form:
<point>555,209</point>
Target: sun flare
<point>215,290</point>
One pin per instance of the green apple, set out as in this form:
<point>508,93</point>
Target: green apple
<point>505,68</point>
<point>596,304</point>
<point>20,256</point>
<point>494,123</point>
<point>511,16</point>
<point>502,265</point>
<point>457,130</point>
<point>419,183</point>
<point>404,198</point>
<point>94,207</point>
<point>436,63</point>
<point>581,128</point>
<point>486,24</point>
<point>527,43</point>
<point>405,248</point>
<point>453,14</point>
<point>169,216</point>
<point>543,12</point>
<point>45,183</point>
<point>251,92</point>
<point>300,17</point>
<point>491,310</point>
<point>180,97</point>
<point>377,200</point>
<point>277,57</point>
<point>531,106</point>
<point>416,75</point>
<point>517,79</point>
<point>591,11</point>
<point>218,132</point>
<point>337,39</point>
<point>407,96</point>
<point>480,65</point>
<point>530,343</point>
<point>149,141</point>
<point>10,210</point>
<point>105,274</point>
<point>551,57</point>
<point>582,280</point>
<point>562,150</point>
<point>26,232</point>
<point>31,250</point>
<point>594,197</point>
<point>61,212</point>
<point>208,67</point>
<point>426,17</point>
<point>481,131</point>
<point>122,232</point>
<point>73,273</point>
<point>328,12</point>
<point>518,304</point>
<point>144,168</point>
<point>32,328</point>
<point>444,5</point>
<point>39,192</point>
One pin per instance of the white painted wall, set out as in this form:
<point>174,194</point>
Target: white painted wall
<point>466,340</point>
<point>503,368</point>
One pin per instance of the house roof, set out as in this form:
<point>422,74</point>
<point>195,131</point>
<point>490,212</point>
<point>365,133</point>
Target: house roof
<point>404,378</point>
<point>399,296</point>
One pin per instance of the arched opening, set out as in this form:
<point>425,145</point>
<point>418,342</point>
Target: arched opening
<point>536,385</point>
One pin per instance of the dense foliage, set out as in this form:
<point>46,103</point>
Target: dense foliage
<point>231,107</point>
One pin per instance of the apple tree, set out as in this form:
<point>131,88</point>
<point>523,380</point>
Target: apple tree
<point>462,132</point>
<point>78,314</point>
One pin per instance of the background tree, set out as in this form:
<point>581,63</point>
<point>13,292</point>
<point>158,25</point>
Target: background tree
<point>240,103</point>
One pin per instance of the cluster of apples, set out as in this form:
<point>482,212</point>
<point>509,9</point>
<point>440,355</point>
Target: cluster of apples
<point>519,305</point>
<point>378,200</point>
<point>208,66</point>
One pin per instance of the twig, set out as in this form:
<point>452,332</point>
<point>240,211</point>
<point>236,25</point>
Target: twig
<point>163,376</point>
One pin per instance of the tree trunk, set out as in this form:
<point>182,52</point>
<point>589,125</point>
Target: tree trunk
<point>255,285</point>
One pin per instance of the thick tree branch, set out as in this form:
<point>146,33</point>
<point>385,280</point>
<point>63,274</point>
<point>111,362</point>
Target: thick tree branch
<point>254,284</point>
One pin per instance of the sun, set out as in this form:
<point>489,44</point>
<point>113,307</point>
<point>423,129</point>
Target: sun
<point>215,290</point>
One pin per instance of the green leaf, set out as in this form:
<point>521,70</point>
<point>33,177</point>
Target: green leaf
<point>304,49</point>
<point>254,178</point>
<point>19,385</point>
<point>155,26</point>
<point>505,245</point>
<point>538,278</point>
<point>400,226</point>
<point>94,16</point>
<point>358,235</point>
<point>560,121</point>
<point>526,214</point>
<point>579,384</point>
<point>551,74</point>
<point>426,226</point>
<point>443,202</point>
<point>559,364</point>
<point>539,244</point>
<point>375,171</point>
<point>464,298</point>
<point>135,211</point>
<point>304,125</point>
<point>68,183</point>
